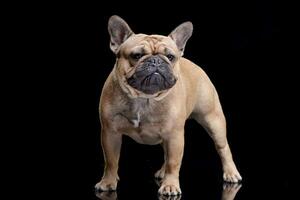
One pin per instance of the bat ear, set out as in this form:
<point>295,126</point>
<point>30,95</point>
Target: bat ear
<point>119,32</point>
<point>181,34</point>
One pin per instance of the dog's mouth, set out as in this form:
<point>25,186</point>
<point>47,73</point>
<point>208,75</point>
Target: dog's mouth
<point>153,82</point>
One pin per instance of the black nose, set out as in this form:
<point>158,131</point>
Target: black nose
<point>155,60</point>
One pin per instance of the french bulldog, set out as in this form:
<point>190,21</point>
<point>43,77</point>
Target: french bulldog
<point>150,93</point>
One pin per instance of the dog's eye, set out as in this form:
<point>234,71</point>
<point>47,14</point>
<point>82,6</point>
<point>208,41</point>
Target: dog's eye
<point>136,56</point>
<point>170,57</point>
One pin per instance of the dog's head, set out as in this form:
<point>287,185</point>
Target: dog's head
<point>147,65</point>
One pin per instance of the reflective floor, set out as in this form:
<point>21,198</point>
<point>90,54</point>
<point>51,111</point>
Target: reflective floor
<point>198,189</point>
<point>229,192</point>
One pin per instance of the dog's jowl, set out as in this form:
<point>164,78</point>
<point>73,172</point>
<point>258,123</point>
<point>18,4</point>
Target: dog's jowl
<point>150,93</point>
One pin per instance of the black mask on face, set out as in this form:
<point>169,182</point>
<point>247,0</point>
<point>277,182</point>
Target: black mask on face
<point>153,75</point>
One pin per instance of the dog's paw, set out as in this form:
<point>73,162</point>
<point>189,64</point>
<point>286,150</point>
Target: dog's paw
<point>169,190</point>
<point>231,175</point>
<point>160,173</point>
<point>106,185</point>
<point>170,187</point>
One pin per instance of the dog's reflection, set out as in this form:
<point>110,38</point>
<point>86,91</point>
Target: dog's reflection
<point>163,197</point>
<point>230,190</point>
<point>229,193</point>
<point>111,195</point>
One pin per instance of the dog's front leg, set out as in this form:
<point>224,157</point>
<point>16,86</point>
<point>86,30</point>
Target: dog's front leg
<point>111,144</point>
<point>174,145</point>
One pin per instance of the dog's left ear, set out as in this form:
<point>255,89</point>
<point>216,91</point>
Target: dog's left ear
<point>181,34</point>
<point>119,31</point>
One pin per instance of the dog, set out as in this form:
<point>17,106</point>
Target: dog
<point>150,93</point>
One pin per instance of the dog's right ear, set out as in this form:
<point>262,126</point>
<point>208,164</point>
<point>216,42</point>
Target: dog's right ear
<point>119,31</point>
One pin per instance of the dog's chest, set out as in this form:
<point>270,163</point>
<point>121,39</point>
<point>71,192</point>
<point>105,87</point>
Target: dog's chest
<point>142,121</point>
<point>142,114</point>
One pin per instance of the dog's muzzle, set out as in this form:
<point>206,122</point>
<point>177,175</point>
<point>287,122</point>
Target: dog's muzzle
<point>153,75</point>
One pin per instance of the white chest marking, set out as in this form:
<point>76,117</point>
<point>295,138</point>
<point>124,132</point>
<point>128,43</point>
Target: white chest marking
<point>136,122</point>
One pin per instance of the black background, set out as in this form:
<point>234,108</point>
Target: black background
<point>240,45</point>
